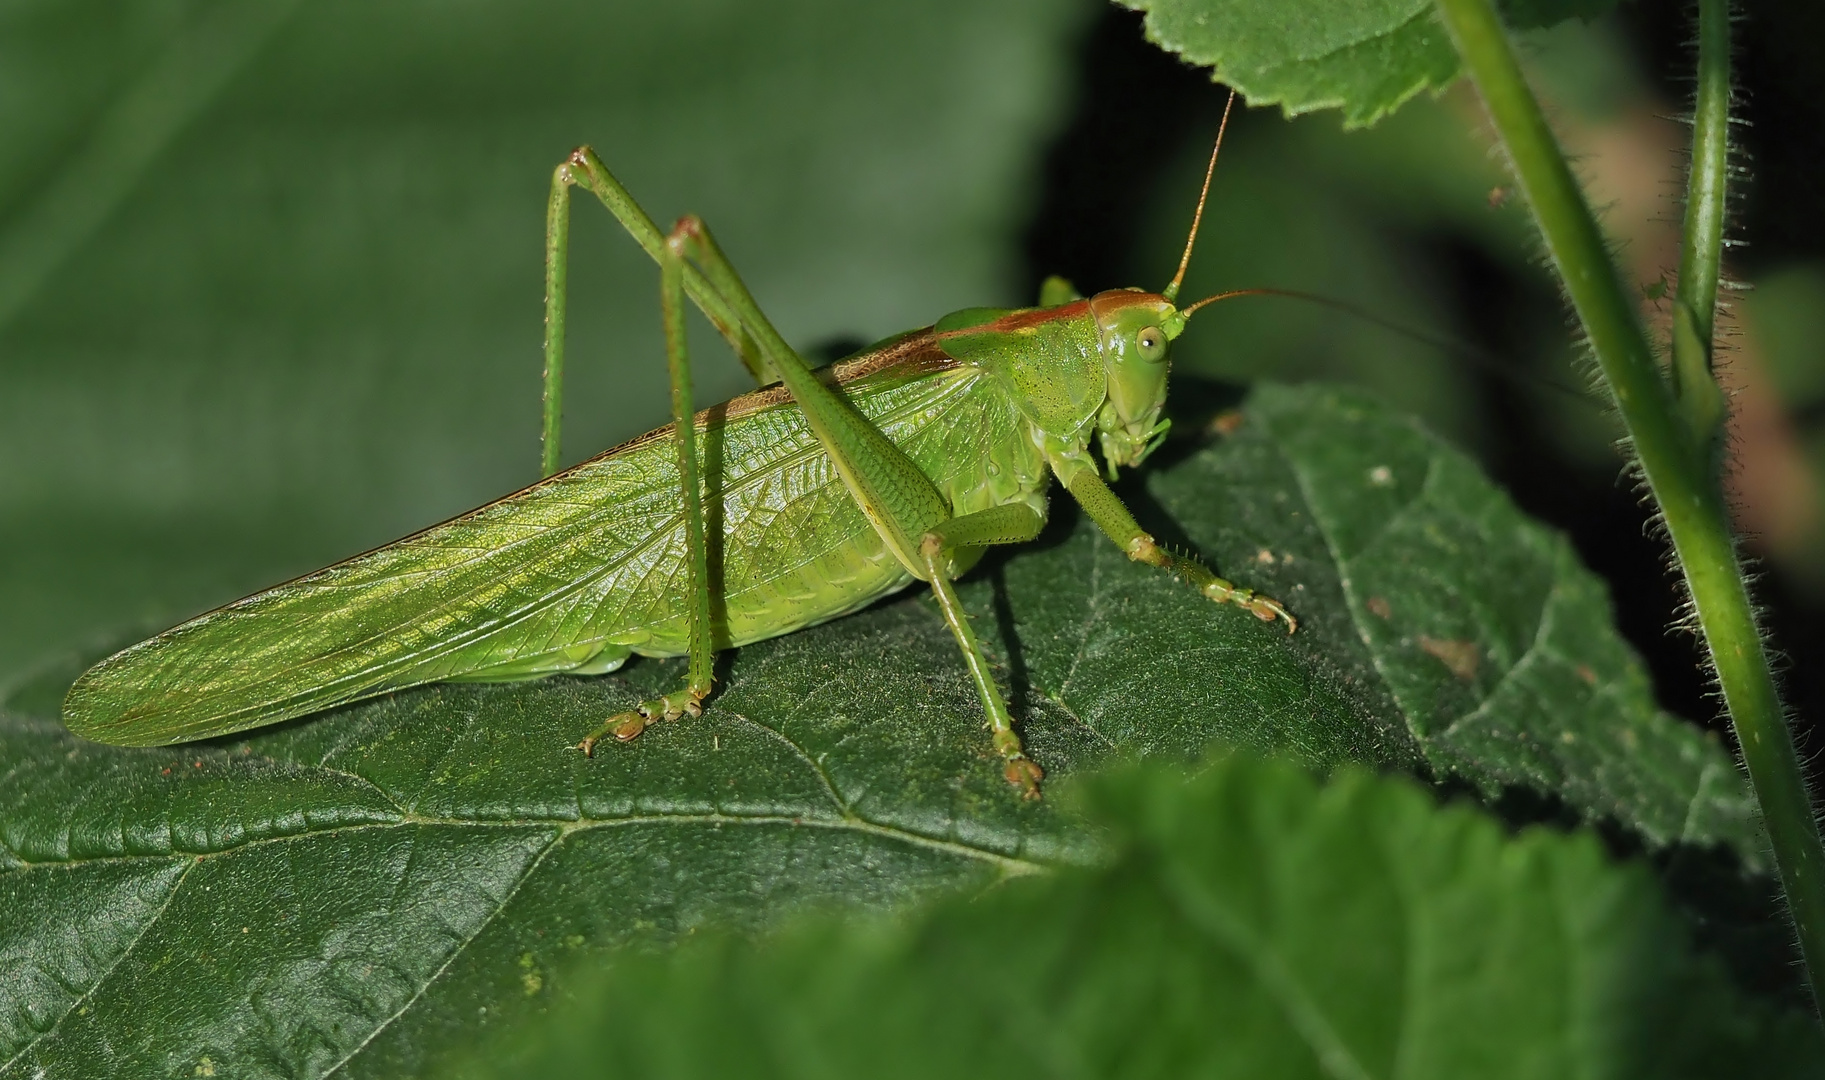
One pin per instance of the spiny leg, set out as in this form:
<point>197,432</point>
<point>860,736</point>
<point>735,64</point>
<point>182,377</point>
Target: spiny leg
<point>557,291</point>
<point>899,500</point>
<point>1014,523</point>
<point>700,676</point>
<point>584,169</point>
<point>1106,509</point>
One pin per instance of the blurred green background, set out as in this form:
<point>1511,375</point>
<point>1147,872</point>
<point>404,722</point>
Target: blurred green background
<point>270,272</point>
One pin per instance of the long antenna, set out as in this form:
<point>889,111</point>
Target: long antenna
<point>1171,291</point>
<point>1451,346</point>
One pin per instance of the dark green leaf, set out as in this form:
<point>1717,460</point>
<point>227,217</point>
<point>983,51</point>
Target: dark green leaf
<point>1364,57</point>
<point>365,886</point>
<point>1439,625</point>
<point>1251,925</point>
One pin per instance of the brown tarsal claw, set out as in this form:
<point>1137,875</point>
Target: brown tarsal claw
<point>1268,610</point>
<point>1265,608</point>
<point>633,725</point>
<point>623,726</point>
<point>1025,775</point>
<point>628,725</point>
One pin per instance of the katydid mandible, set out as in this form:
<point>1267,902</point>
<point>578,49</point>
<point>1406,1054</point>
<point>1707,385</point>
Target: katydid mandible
<point>823,492</point>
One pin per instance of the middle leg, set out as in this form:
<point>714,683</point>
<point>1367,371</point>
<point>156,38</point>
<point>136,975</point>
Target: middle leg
<point>1014,523</point>
<point>700,676</point>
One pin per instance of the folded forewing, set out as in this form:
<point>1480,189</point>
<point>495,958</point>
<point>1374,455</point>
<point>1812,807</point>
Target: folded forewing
<point>591,555</point>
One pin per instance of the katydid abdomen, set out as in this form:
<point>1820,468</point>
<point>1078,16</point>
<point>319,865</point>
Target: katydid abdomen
<point>584,568</point>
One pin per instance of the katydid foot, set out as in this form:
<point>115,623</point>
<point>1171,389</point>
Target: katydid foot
<point>1143,548</point>
<point>1265,608</point>
<point>1114,519</point>
<point>626,725</point>
<point>1020,770</point>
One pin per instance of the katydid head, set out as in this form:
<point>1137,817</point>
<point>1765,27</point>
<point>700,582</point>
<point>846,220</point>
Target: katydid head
<point>1134,331</point>
<point>1047,357</point>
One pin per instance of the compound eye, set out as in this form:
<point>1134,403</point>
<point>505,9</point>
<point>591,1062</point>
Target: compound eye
<point>1151,343</point>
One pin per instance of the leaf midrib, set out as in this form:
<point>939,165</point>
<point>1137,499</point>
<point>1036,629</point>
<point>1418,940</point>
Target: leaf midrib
<point>566,826</point>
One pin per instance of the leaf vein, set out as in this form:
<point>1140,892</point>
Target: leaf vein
<point>531,868</point>
<point>1272,972</point>
<point>1351,601</point>
<point>815,766</point>
<point>105,975</point>
<point>1087,725</point>
<point>1535,649</point>
<point>1008,863</point>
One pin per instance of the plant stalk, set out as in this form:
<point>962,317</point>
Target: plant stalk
<point>1674,455</point>
<point>1701,245</point>
<point>1701,248</point>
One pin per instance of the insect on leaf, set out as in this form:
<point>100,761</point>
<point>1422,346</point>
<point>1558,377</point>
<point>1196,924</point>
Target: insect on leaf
<point>372,881</point>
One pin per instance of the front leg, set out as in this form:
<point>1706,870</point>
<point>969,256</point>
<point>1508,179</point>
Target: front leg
<point>1108,512</point>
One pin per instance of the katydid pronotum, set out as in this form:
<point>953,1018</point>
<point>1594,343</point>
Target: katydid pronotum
<point>807,500</point>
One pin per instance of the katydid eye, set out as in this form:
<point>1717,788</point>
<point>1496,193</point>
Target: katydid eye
<point>1151,343</point>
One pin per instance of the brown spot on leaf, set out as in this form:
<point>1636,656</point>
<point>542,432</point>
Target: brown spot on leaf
<point>1379,607</point>
<point>1226,423</point>
<point>1585,673</point>
<point>1462,657</point>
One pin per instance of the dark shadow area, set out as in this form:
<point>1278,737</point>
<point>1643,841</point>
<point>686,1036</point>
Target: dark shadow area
<point>1737,917</point>
<point>829,352</point>
<point>1194,405</point>
<point>1135,107</point>
<point>1013,656</point>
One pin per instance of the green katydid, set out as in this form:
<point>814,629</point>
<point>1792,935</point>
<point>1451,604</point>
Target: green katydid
<point>807,500</point>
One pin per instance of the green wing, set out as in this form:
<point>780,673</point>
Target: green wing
<point>572,573</point>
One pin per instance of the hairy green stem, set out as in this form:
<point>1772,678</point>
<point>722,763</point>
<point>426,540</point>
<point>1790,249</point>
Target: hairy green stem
<point>1672,455</point>
<point>1701,246</point>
